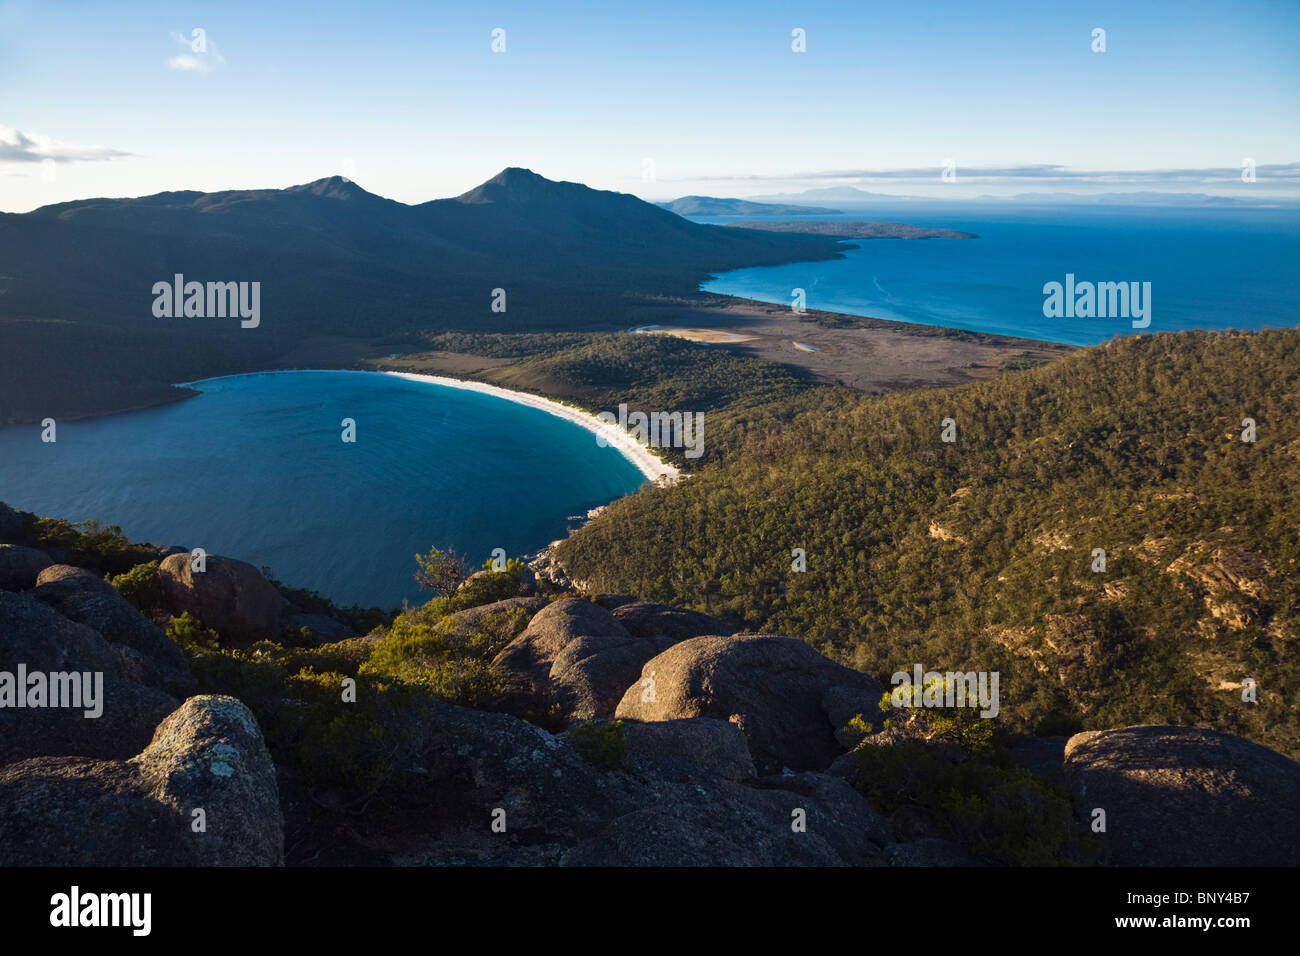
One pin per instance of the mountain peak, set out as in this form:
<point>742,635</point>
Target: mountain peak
<point>517,176</point>
<point>332,187</point>
<point>512,183</point>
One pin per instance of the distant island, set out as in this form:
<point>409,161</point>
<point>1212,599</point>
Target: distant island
<point>855,229</point>
<point>713,206</point>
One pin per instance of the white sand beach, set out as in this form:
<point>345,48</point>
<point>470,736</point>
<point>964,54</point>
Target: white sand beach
<point>650,465</point>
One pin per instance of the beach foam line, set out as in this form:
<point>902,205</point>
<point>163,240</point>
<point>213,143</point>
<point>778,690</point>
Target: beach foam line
<point>649,464</point>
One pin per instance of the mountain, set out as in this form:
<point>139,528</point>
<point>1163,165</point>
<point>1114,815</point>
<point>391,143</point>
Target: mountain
<point>712,206</point>
<point>332,261</point>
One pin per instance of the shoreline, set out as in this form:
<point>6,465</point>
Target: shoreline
<point>711,308</point>
<point>647,462</point>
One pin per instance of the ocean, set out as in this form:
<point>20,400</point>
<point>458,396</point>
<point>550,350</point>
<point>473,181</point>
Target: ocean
<point>1208,268</point>
<point>255,468</point>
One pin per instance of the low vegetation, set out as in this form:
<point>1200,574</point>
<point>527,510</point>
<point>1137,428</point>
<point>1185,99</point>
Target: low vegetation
<point>602,744</point>
<point>355,752</point>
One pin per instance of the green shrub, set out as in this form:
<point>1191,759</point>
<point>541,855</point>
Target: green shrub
<point>515,566</point>
<point>352,749</point>
<point>602,744</point>
<point>1002,812</point>
<point>485,589</point>
<point>188,631</point>
<point>425,647</point>
<point>440,571</point>
<point>956,725</point>
<point>142,586</point>
<point>88,544</point>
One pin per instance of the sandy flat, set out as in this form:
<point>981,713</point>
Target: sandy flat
<point>874,355</point>
<point>711,336</point>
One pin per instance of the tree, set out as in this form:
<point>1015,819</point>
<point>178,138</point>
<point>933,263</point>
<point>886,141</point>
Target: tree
<point>441,571</point>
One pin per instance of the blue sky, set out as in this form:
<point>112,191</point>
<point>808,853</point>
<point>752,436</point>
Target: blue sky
<point>410,101</point>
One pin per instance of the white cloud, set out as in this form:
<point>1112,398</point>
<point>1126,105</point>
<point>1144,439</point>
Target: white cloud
<point>203,55</point>
<point>19,147</point>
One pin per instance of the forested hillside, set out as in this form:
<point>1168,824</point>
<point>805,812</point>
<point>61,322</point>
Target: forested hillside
<point>979,554</point>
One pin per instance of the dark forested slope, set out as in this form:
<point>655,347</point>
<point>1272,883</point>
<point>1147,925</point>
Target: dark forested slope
<point>979,554</point>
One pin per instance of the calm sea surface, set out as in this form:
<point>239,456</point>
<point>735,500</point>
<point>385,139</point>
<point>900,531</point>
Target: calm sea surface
<point>255,468</point>
<point>1208,269</point>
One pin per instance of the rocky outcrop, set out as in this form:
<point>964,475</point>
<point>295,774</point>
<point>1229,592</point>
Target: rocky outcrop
<point>145,654</point>
<point>210,755</point>
<point>467,620</point>
<point>59,572</point>
<point>932,851</point>
<point>833,805</point>
<point>229,596</point>
<point>19,567</point>
<point>38,639</point>
<point>684,750</point>
<point>772,688</point>
<point>727,824</point>
<point>574,656</point>
<point>1182,796</point>
<point>666,625</point>
<point>202,794</point>
<point>670,807</point>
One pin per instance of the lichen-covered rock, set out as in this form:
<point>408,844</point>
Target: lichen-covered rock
<point>771,687</point>
<point>75,811</point>
<point>932,851</point>
<point>574,655</point>
<point>229,596</point>
<point>91,601</point>
<point>20,567</point>
<point>556,808</point>
<point>689,749</point>
<point>1183,796</point>
<point>721,823</point>
<point>208,756</point>
<point>61,572</point>
<point>837,810</point>
<point>40,639</point>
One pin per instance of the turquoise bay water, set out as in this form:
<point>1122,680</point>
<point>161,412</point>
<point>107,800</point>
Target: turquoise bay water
<point>1208,269</point>
<point>255,468</point>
